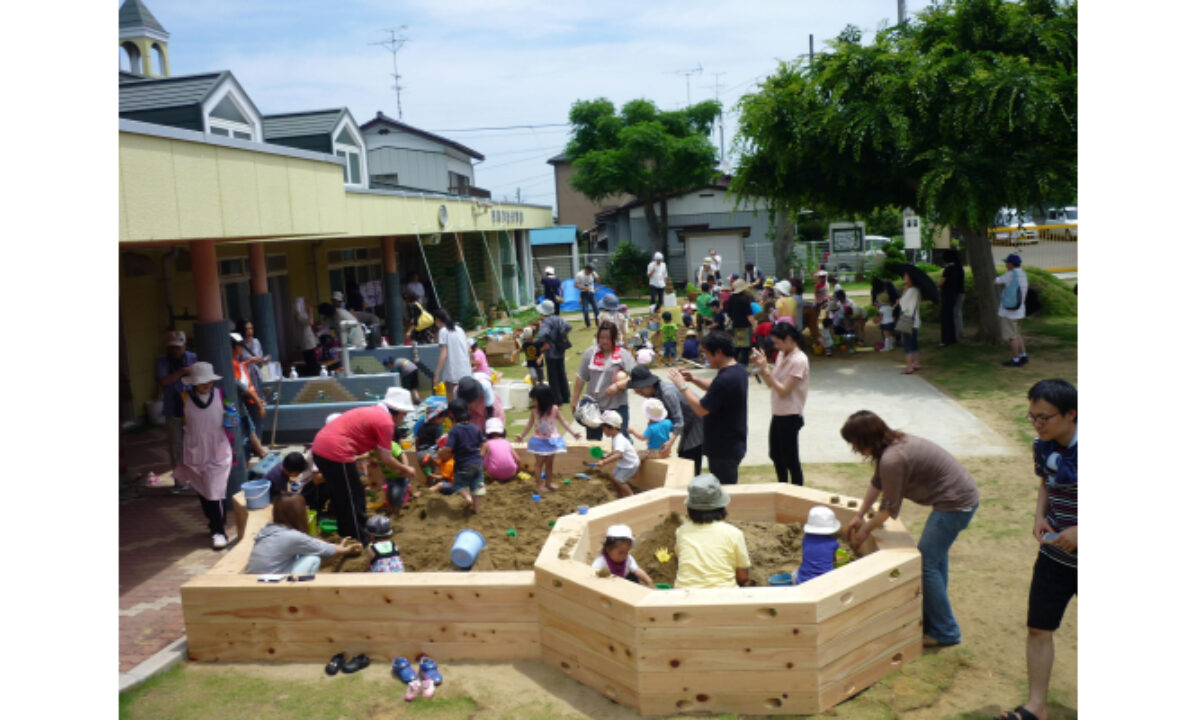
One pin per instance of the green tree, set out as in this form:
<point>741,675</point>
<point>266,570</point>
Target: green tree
<point>645,152</point>
<point>969,107</point>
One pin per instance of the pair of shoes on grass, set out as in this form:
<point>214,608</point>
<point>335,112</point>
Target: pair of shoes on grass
<point>425,683</point>
<point>339,663</point>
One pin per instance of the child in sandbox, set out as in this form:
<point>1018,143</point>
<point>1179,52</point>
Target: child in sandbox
<point>622,454</point>
<point>546,442</point>
<point>500,461</point>
<point>712,553</point>
<point>615,556</point>
<point>463,443</point>
<point>658,429</point>
<point>382,555</point>
<point>819,546</point>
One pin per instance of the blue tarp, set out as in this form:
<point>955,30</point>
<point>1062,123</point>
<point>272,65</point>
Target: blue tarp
<point>558,235</point>
<point>571,296</point>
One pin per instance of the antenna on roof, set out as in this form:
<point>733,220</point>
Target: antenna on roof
<point>393,44</point>
<point>687,74</point>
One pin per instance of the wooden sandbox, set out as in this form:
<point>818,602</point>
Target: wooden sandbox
<point>755,650</point>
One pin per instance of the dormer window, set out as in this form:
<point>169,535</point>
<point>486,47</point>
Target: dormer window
<point>228,119</point>
<point>347,149</point>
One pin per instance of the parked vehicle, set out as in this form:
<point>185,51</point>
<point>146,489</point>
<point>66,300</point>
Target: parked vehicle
<point>1010,228</point>
<point>859,261</point>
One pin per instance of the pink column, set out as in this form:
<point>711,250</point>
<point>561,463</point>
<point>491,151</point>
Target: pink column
<point>389,254</point>
<point>258,269</point>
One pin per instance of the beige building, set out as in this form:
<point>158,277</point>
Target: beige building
<point>574,208</point>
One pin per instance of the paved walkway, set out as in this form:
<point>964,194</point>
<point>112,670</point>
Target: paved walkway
<point>163,541</point>
<point>842,385</point>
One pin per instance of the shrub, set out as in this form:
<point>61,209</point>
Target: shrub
<point>627,267</point>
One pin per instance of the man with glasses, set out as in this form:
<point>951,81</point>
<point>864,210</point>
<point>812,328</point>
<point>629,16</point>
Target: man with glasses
<point>1053,412</point>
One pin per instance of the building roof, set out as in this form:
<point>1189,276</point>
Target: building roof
<point>147,93</point>
<point>559,159</point>
<point>313,122</point>
<point>126,76</point>
<point>134,14</point>
<point>721,183</point>
<point>381,119</point>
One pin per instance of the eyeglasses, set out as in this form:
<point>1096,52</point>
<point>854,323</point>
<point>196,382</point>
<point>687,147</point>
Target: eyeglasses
<point>1040,419</point>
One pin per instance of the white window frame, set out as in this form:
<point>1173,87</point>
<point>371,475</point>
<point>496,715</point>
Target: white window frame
<point>229,88</point>
<point>342,151</point>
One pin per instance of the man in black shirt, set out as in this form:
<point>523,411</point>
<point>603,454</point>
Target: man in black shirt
<point>741,320</point>
<point>723,407</point>
<point>951,287</point>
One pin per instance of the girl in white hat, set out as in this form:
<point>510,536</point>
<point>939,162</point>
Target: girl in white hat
<point>819,545</point>
<point>616,558</point>
<point>207,454</point>
<point>658,427</point>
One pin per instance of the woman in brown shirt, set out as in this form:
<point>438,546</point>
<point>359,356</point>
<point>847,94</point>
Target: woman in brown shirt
<point>913,468</point>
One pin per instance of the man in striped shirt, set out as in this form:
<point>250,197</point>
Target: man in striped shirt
<point>1053,411</point>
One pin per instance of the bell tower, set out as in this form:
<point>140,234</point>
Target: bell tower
<point>143,41</point>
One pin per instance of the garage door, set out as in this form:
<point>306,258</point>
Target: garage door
<point>727,245</point>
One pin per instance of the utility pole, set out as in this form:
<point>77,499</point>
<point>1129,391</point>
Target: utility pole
<point>716,86</point>
<point>900,13</point>
<point>687,74</point>
<point>393,44</point>
<point>810,46</point>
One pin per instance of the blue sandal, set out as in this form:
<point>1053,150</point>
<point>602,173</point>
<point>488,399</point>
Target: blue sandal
<point>403,669</point>
<point>429,670</point>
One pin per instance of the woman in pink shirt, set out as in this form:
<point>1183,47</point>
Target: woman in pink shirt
<point>479,361</point>
<point>338,445</point>
<point>789,390</point>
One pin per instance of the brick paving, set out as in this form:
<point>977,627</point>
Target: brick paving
<point>163,541</point>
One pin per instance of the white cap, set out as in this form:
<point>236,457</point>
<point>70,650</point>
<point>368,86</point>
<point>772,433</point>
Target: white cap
<point>176,338</point>
<point>658,256</point>
<point>611,417</point>
<point>619,532</point>
<point>236,337</point>
<point>654,409</point>
<point>472,342</point>
<point>783,287</point>
<point>398,398</point>
<point>493,425</point>
<point>338,296</point>
<point>549,270</point>
<point>822,521</point>
<point>331,417</point>
<point>546,307</point>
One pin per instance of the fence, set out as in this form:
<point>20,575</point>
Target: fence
<point>1051,247</point>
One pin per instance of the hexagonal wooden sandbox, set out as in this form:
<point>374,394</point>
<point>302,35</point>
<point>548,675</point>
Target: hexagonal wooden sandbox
<point>765,650</point>
<point>753,650</point>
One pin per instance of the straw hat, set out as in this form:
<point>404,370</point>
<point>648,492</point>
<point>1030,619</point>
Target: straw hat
<point>200,373</point>
<point>740,286</point>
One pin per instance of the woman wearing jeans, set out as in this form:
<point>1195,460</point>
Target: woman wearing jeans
<point>907,466</point>
<point>789,390</point>
<point>910,312</point>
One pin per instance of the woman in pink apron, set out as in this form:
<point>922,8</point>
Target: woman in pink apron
<point>207,455</point>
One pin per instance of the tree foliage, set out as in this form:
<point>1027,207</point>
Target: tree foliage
<point>627,267</point>
<point>969,107</point>
<point>649,153</point>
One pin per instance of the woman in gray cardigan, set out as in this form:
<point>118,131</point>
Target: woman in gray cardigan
<point>284,546</point>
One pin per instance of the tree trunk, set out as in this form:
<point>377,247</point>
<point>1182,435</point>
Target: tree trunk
<point>785,238</point>
<point>658,228</point>
<point>983,268</point>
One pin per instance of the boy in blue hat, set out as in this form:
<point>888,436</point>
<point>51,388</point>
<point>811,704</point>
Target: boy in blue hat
<point>1012,309</point>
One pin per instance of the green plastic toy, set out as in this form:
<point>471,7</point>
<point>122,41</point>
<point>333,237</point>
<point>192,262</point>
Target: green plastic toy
<point>596,452</point>
<point>512,533</point>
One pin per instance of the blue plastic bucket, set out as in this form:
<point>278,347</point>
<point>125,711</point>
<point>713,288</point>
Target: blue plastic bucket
<point>780,580</point>
<point>467,545</point>
<point>258,493</point>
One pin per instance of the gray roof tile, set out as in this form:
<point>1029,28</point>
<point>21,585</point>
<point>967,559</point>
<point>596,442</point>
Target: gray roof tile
<point>155,93</point>
<point>315,122</point>
<point>134,14</point>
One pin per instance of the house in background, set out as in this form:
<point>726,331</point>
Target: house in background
<point>699,220</point>
<point>403,157</point>
<point>574,208</point>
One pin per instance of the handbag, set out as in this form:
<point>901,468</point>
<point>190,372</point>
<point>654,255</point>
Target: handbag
<point>425,320</point>
<point>904,324</point>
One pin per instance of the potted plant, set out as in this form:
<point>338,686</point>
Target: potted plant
<point>692,292</point>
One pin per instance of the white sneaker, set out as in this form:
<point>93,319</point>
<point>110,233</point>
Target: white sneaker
<point>219,541</point>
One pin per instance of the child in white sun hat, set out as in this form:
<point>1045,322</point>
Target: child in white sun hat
<point>819,546</point>
<point>658,426</point>
<point>622,453</point>
<point>617,557</point>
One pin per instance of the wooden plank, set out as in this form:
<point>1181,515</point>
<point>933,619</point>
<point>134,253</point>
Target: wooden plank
<point>719,659</point>
<point>861,580</point>
<point>717,701</point>
<point>617,631</point>
<point>834,692</point>
<point>596,638</point>
<point>612,597</point>
<point>867,631</point>
<point>204,649</point>
<point>571,666</point>
<point>315,631</point>
<point>568,644</point>
<point>716,607</point>
<point>422,582</point>
<point>235,558</point>
<point>889,645</point>
<point>690,637</point>
<point>796,683</point>
<point>830,629</point>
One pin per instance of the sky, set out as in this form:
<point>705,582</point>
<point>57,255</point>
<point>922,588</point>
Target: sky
<point>472,64</point>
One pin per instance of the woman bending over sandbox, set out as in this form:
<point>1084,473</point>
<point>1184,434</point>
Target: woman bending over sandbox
<point>284,545</point>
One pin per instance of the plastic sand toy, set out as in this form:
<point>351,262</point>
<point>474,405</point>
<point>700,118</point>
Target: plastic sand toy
<point>596,452</point>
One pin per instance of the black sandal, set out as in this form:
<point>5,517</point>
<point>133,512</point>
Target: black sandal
<point>335,664</point>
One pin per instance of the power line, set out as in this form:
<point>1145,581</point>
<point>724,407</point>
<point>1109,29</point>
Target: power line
<point>502,127</point>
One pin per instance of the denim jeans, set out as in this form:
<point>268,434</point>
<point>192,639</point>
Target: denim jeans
<point>940,531</point>
<point>587,299</point>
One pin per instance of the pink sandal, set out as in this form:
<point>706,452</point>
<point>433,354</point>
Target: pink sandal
<point>414,688</point>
